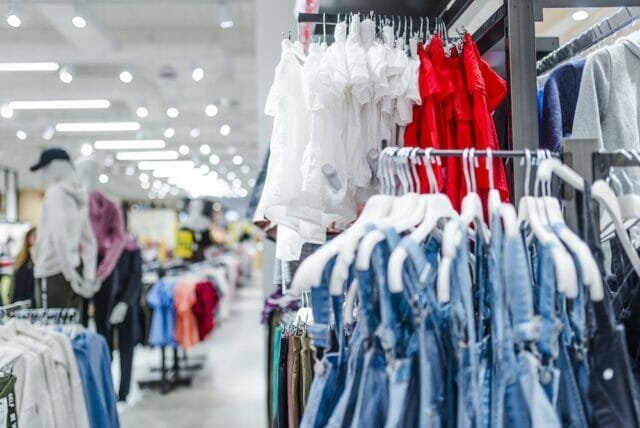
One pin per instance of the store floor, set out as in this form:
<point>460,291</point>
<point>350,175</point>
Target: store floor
<point>229,391</point>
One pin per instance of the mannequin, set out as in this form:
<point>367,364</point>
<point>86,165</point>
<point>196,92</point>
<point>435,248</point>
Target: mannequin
<point>198,224</point>
<point>65,240</point>
<point>108,226</point>
<point>127,290</point>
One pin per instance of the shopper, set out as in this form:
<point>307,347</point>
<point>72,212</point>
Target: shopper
<point>23,282</point>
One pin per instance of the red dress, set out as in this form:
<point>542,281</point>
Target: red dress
<point>487,90</point>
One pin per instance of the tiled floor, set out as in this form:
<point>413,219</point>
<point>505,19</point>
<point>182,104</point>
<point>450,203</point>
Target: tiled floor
<point>228,392</point>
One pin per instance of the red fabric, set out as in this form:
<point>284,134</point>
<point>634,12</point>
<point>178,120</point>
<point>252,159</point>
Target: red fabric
<point>487,90</point>
<point>206,303</point>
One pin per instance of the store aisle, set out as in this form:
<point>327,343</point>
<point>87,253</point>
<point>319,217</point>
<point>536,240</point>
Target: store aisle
<point>228,391</point>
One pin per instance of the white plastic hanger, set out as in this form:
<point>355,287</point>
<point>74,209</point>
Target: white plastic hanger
<point>602,193</point>
<point>564,267</point>
<point>309,272</point>
<point>438,207</point>
<point>450,244</point>
<point>550,207</point>
<point>472,210</point>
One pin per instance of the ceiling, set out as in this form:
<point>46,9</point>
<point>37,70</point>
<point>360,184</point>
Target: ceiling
<point>159,42</point>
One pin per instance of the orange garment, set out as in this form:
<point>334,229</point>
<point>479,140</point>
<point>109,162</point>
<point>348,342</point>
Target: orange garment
<point>184,297</point>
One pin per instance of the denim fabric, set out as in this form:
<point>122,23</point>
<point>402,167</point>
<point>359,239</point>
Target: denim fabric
<point>463,338</point>
<point>345,408</point>
<point>436,393</point>
<point>325,390</point>
<point>373,395</point>
<point>321,306</point>
<point>541,412</point>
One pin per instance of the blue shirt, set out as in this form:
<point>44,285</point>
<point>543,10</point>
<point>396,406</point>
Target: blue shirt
<point>163,320</point>
<point>94,364</point>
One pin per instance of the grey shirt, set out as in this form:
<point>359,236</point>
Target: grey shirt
<point>609,102</point>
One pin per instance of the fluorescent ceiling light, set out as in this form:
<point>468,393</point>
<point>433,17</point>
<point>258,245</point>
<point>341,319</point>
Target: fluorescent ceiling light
<point>580,15</point>
<point>129,144</point>
<point>60,104</point>
<point>29,66</point>
<point>152,165</point>
<point>97,126</point>
<point>148,155</point>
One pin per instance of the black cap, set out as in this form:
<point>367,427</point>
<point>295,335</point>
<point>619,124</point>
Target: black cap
<point>50,155</point>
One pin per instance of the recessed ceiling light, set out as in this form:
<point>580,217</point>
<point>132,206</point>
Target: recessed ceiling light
<point>130,170</point>
<point>243,193</point>
<point>211,110</point>
<point>145,185</point>
<point>79,22</point>
<point>142,112</point>
<point>194,133</point>
<point>226,19</point>
<point>65,75</point>
<point>97,126</point>
<point>580,15</point>
<point>143,176</point>
<point>108,161</point>
<point>203,169</point>
<point>103,178</point>
<point>60,104</point>
<point>126,76</point>
<point>173,112</point>
<point>205,149</point>
<point>214,159</point>
<point>236,183</point>
<point>148,155</point>
<point>86,149</point>
<point>29,66</point>
<point>129,144</point>
<point>21,135</point>
<point>197,74</point>
<point>237,160</point>
<point>14,20</point>
<point>245,169</point>
<point>251,182</point>
<point>231,175</point>
<point>183,149</point>
<point>6,112</point>
<point>169,133</point>
<point>225,130</point>
<point>48,133</point>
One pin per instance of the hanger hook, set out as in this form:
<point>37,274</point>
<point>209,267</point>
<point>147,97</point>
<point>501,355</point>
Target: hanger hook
<point>527,173</point>
<point>465,169</point>
<point>473,164</point>
<point>489,162</point>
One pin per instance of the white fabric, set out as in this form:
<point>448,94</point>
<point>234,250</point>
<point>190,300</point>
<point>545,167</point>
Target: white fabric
<point>64,233</point>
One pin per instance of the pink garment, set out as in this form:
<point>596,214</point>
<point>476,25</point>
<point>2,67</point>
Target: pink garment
<point>108,226</point>
<point>186,330</point>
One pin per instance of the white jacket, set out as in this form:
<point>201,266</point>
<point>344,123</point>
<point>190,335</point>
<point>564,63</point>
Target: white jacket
<point>64,234</point>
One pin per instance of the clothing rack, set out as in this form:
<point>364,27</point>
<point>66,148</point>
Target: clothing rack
<point>405,22</point>
<point>8,310</point>
<point>55,315</point>
<point>594,35</point>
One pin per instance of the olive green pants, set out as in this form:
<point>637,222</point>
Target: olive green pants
<point>56,292</point>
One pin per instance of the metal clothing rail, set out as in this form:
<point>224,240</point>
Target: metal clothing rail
<point>508,154</point>
<point>594,35</point>
<point>414,23</point>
